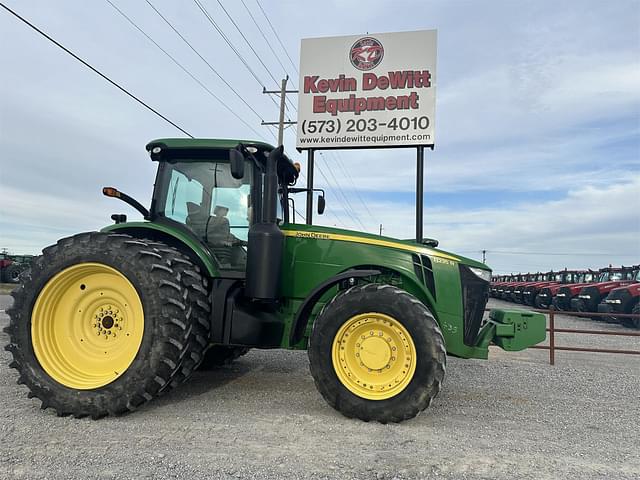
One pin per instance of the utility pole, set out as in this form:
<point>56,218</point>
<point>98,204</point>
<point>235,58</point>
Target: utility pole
<point>283,96</point>
<point>484,256</point>
<point>380,229</point>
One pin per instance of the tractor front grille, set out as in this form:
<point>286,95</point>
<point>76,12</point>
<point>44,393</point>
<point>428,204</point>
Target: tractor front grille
<point>475,294</point>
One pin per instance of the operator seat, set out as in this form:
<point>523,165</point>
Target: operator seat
<point>218,235</point>
<point>197,219</point>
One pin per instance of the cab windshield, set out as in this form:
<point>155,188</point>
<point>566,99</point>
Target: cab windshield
<point>215,206</point>
<point>610,276</point>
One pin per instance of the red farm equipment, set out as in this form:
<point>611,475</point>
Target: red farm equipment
<point>530,291</point>
<point>624,299</point>
<point>11,266</point>
<point>546,297</point>
<point>565,293</point>
<point>610,278</point>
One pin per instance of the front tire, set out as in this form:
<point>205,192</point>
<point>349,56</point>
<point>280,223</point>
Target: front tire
<point>105,322</point>
<point>377,353</point>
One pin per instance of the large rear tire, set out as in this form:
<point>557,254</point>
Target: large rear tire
<point>377,353</point>
<point>105,322</point>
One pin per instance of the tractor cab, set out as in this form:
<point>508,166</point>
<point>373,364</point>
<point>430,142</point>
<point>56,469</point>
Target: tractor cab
<point>215,191</point>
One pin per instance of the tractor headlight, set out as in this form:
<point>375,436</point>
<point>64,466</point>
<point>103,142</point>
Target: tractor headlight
<point>561,295</point>
<point>588,297</point>
<point>483,274</point>
<point>617,301</point>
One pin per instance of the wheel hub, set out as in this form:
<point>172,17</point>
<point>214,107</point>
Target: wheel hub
<point>108,321</point>
<point>87,325</point>
<point>374,356</point>
<point>375,352</point>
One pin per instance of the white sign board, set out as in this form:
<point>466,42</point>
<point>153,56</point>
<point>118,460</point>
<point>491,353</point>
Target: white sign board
<point>367,90</point>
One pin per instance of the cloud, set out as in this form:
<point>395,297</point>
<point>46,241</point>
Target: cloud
<point>601,222</point>
<point>537,99</point>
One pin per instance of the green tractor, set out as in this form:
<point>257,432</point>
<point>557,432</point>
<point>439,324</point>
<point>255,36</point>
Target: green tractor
<point>106,321</point>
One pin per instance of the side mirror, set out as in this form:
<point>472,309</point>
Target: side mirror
<point>236,160</point>
<point>321,204</point>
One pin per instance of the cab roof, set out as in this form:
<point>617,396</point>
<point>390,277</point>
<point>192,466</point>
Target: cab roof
<point>183,145</point>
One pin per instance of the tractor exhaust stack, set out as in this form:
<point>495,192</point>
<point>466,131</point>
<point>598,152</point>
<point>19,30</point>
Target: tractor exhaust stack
<point>266,241</point>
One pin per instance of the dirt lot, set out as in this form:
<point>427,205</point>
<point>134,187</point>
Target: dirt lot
<point>513,416</point>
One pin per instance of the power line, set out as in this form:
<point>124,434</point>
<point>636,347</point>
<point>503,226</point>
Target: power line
<point>284,69</point>
<point>350,178</point>
<point>205,12</point>
<point>349,205</point>
<point>228,42</point>
<point>278,37</point>
<point>355,220</point>
<point>207,63</point>
<point>184,69</point>
<point>247,41</point>
<point>95,70</point>
<point>268,44</point>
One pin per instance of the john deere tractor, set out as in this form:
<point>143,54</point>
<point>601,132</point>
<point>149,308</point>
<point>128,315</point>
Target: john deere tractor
<point>106,321</point>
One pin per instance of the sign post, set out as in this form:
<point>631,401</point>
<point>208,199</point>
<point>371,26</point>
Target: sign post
<point>310,168</point>
<point>368,91</point>
<point>419,193</point>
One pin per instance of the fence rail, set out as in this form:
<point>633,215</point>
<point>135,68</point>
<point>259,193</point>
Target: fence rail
<point>551,328</point>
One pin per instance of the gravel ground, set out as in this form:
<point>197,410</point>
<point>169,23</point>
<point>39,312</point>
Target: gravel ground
<point>513,416</point>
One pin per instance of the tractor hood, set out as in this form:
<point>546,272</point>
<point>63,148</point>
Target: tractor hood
<point>633,288</point>
<point>337,234</point>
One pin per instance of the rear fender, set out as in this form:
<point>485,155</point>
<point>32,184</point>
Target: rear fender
<point>187,244</point>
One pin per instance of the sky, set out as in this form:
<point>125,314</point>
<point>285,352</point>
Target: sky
<point>537,157</point>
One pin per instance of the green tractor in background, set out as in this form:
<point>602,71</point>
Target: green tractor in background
<point>106,321</point>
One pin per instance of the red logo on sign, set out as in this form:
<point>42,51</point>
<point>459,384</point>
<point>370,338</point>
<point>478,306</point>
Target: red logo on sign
<point>366,53</point>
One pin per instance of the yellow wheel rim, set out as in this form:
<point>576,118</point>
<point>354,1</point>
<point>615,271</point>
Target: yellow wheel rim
<point>374,356</point>
<point>87,325</point>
